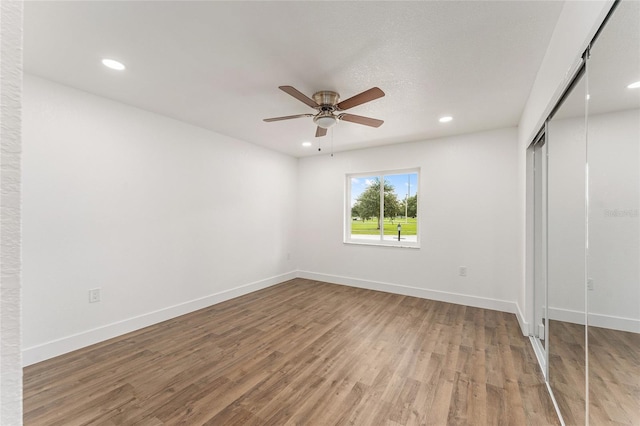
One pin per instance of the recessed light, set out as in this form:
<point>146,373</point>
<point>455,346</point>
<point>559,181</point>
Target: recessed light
<point>113,64</point>
<point>635,85</point>
<point>306,144</point>
<point>445,119</point>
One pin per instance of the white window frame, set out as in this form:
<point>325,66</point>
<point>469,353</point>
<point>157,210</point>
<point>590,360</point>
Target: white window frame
<point>348,220</point>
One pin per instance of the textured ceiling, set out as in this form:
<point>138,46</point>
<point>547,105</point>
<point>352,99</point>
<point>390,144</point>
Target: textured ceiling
<point>218,65</point>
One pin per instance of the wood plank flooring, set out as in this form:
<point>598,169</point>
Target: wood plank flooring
<point>614,377</point>
<point>614,374</point>
<point>567,370</point>
<point>302,352</point>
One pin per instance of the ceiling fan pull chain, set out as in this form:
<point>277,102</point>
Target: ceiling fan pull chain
<point>332,141</point>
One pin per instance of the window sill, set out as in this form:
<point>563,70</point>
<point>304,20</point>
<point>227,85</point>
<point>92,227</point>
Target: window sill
<point>382,244</point>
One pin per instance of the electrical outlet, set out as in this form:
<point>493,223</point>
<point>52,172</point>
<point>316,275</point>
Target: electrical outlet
<point>590,284</point>
<point>462,271</point>
<point>94,295</point>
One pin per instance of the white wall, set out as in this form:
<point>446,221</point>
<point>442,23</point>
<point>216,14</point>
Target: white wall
<point>10,153</point>
<point>467,199</point>
<point>164,217</point>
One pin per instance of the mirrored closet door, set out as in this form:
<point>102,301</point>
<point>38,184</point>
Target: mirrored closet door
<point>566,132</point>
<point>593,231</point>
<point>613,255</point>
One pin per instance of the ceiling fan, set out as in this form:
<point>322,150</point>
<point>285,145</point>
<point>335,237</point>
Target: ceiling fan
<point>329,108</point>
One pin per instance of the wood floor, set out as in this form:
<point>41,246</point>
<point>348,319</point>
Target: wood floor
<point>614,374</point>
<point>302,352</point>
<point>614,377</point>
<point>567,370</point>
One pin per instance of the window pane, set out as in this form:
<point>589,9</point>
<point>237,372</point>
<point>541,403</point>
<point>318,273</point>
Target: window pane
<point>382,208</point>
<point>400,207</point>
<point>365,208</point>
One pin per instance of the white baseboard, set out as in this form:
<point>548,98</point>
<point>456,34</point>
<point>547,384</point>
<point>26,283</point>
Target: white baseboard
<point>66,344</point>
<point>616,323</point>
<point>566,315</point>
<point>442,296</point>
<point>524,325</point>
<point>597,320</point>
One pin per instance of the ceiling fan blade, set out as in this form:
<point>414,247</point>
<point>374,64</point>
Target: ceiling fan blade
<point>288,117</point>
<point>367,121</point>
<point>298,95</point>
<point>366,96</point>
<point>320,131</point>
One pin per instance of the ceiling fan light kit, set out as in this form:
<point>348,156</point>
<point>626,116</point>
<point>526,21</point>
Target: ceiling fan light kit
<point>325,121</point>
<point>328,106</point>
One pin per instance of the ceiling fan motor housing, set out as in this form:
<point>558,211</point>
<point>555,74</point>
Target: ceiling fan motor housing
<point>326,98</point>
<point>326,101</point>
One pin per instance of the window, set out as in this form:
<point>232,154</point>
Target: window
<point>382,208</point>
